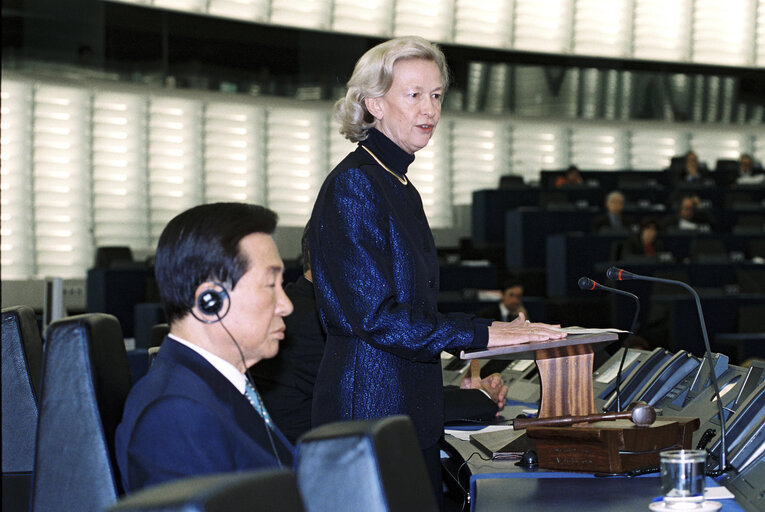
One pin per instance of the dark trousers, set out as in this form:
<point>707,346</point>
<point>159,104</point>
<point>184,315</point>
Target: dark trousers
<point>432,456</point>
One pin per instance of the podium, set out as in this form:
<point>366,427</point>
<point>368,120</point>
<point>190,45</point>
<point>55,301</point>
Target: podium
<point>565,370</point>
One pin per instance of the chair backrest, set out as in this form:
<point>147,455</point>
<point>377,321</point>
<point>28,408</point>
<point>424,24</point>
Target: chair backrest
<point>709,249</point>
<point>751,318</point>
<point>750,280</point>
<point>266,491</point>
<point>22,362</point>
<point>158,333</point>
<point>21,365</point>
<point>85,380</point>
<point>511,181</point>
<point>757,248</point>
<point>373,465</point>
<point>108,256</point>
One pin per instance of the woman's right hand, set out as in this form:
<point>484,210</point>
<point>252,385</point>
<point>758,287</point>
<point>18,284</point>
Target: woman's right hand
<point>520,331</point>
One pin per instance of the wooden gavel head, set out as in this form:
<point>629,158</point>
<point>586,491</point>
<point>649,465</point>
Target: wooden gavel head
<point>642,414</point>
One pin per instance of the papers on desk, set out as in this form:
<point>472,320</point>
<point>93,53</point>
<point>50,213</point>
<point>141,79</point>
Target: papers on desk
<point>464,435</point>
<point>717,493</point>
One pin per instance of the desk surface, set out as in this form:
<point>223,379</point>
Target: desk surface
<point>501,485</point>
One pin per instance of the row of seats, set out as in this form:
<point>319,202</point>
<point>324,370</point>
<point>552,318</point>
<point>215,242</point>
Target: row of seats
<point>724,175</point>
<point>490,210</point>
<point>61,407</point>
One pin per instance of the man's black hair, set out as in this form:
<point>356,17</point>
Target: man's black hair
<point>202,244</point>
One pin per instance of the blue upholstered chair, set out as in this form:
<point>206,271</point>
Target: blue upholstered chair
<point>264,491</point>
<point>372,465</point>
<point>21,360</point>
<point>85,380</point>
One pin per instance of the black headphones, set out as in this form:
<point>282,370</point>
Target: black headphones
<point>213,302</point>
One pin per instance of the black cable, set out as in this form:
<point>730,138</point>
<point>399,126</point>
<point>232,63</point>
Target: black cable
<point>249,378</point>
<point>465,493</point>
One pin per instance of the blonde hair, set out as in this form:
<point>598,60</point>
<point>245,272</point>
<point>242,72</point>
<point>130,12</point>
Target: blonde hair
<point>373,76</point>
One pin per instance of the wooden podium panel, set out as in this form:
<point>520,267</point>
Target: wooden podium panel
<point>611,446</point>
<point>565,370</point>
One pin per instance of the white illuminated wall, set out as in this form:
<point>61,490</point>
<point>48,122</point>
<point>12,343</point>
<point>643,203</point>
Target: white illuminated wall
<point>599,149</point>
<point>61,203</point>
<point>431,174</point>
<point>120,202</point>
<point>483,22</point>
<point>480,156</point>
<point>84,165</point>
<point>653,149</point>
<point>16,211</point>
<point>234,152</point>
<point>175,160</point>
<point>296,161</point>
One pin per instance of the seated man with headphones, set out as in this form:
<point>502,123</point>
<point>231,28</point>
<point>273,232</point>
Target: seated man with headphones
<point>196,411</point>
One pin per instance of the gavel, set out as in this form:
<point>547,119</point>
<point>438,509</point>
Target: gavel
<point>641,414</point>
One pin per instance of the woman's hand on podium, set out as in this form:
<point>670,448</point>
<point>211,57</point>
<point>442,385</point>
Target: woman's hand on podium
<point>521,331</point>
<point>493,385</point>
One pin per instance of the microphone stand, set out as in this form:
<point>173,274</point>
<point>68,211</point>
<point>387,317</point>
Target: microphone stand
<point>585,283</point>
<point>618,274</point>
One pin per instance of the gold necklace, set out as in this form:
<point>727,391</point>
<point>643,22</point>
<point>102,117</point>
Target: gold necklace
<point>403,179</point>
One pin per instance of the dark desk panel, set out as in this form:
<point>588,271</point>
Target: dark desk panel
<point>488,211</point>
<point>583,493</point>
<point>568,256</point>
<point>116,291</point>
<point>720,316</point>
<point>609,180</point>
<point>532,494</point>
<point>459,277</point>
<point>526,231</point>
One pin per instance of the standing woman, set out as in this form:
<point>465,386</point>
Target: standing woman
<point>374,260</point>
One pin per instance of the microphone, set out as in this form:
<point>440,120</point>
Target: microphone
<point>618,274</point>
<point>587,284</point>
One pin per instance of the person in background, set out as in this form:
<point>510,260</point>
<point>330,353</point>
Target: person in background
<point>748,173</point>
<point>688,217</point>
<point>692,171</point>
<point>374,260</point>
<point>510,306</point>
<point>286,381</point>
<point>613,220</point>
<point>195,412</point>
<point>645,243</point>
<point>572,177</point>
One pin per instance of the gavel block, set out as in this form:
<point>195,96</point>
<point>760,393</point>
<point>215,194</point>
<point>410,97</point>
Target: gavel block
<point>610,446</point>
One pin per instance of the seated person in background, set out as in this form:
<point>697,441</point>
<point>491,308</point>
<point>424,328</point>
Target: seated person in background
<point>645,242</point>
<point>688,217</point>
<point>286,381</point>
<point>692,171</point>
<point>571,177</point>
<point>748,173</point>
<point>195,412</point>
<point>613,220</point>
<point>511,305</point>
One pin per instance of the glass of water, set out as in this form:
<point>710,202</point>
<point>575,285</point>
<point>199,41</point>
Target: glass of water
<point>682,478</point>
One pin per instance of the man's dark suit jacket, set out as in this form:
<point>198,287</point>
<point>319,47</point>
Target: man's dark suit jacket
<point>603,222</point>
<point>286,381</point>
<point>184,418</point>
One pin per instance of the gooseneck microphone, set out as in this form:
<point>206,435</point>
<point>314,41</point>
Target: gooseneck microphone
<point>618,274</point>
<point>587,284</point>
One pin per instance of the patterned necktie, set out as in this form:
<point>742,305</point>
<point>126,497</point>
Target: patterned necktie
<point>254,397</point>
